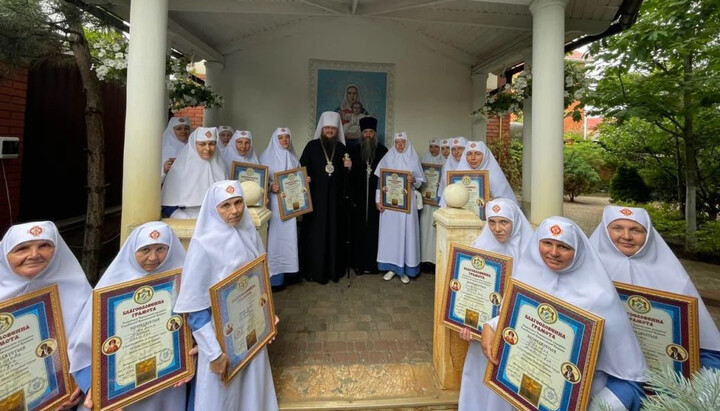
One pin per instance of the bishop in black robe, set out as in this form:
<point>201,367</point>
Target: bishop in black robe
<point>323,233</point>
<point>365,216</point>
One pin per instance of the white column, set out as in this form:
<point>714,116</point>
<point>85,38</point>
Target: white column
<point>479,83</point>
<point>527,147</point>
<point>146,113</point>
<point>548,82</point>
<point>213,69</point>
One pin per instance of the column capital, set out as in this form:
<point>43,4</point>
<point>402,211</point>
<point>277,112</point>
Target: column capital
<point>541,4</point>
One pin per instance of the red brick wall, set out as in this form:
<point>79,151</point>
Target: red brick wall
<point>494,131</point>
<point>12,124</point>
<point>195,114</point>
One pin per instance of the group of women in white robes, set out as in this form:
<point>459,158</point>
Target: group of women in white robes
<point>399,232</point>
<point>559,259</point>
<point>427,233</point>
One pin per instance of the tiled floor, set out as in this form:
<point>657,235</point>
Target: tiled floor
<point>371,322</point>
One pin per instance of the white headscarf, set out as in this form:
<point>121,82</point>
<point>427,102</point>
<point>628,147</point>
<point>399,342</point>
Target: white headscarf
<point>171,146</point>
<point>124,268</point>
<point>345,104</point>
<point>216,248</point>
<point>277,158</point>
<point>190,176</point>
<point>653,266</point>
<point>63,270</point>
<point>520,236</point>
<point>230,153</point>
<point>499,186</point>
<point>220,145</point>
<point>586,284</point>
<point>408,160</point>
<point>431,159</point>
<point>330,119</point>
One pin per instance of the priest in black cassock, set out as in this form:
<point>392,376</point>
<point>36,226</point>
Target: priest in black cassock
<point>323,233</point>
<point>365,216</point>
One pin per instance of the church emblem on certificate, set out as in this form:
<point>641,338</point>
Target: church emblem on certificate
<point>477,184</point>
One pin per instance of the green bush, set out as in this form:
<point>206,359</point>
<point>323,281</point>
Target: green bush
<point>627,185</point>
<point>579,177</point>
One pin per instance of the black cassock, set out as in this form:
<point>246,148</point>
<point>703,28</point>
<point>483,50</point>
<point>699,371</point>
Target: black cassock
<point>323,232</point>
<point>365,217</point>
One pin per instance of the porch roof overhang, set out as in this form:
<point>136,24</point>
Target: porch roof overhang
<point>488,35</point>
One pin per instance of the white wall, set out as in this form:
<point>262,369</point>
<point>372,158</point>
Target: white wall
<point>267,85</point>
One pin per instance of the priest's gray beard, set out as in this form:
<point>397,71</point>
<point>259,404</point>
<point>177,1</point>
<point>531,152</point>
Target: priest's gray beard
<point>367,149</point>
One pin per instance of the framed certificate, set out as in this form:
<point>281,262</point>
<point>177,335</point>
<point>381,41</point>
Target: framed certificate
<point>547,351</point>
<point>252,172</point>
<point>243,313</point>
<point>140,346</point>
<point>395,190</point>
<point>477,183</point>
<point>429,189</point>
<point>294,195</point>
<point>474,287</point>
<point>34,370</point>
<point>666,326</point>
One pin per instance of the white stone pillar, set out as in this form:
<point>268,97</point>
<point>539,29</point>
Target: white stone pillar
<point>546,196</point>
<point>527,148</point>
<point>146,113</point>
<point>213,71</point>
<point>479,83</point>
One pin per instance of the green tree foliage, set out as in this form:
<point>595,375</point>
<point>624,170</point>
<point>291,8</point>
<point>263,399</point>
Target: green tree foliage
<point>627,185</point>
<point>677,393</point>
<point>581,163</point>
<point>665,70</point>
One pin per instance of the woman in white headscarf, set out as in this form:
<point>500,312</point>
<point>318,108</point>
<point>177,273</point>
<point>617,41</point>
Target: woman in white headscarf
<point>282,249</point>
<point>225,133</point>
<point>445,149</point>
<point>457,149</point>
<point>174,139</point>
<point>240,149</point>
<point>477,156</point>
<point>399,233</point>
<point>35,257</point>
<point>198,166</point>
<point>507,232</point>
<point>224,240</point>
<point>427,231</point>
<point>635,253</point>
<point>150,249</point>
<point>561,262</point>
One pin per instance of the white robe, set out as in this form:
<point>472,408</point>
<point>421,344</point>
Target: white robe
<point>282,249</point>
<point>427,228</point>
<point>216,250</point>
<point>125,268</point>
<point>473,392</point>
<point>399,233</point>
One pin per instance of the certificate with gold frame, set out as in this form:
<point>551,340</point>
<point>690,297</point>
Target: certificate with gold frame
<point>666,326</point>
<point>547,351</point>
<point>34,370</point>
<point>474,287</point>
<point>140,345</point>
<point>294,196</point>
<point>252,172</point>
<point>243,314</point>
<point>395,190</point>
<point>477,183</point>
<point>429,188</point>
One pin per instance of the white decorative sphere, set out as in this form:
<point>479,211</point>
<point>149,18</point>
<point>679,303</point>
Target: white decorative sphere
<point>456,195</point>
<point>253,192</point>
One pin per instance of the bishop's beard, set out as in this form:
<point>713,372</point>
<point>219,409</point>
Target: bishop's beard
<point>367,149</point>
